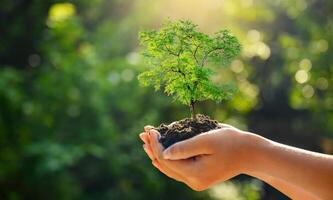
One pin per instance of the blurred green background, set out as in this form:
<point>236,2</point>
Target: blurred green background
<point>71,108</point>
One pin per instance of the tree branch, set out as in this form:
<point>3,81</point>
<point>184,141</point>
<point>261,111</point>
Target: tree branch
<point>170,52</point>
<point>179,71</point>
<point>195,53</point>
<point>184,75</point>
<point>181,48</point>
<point>207,54</point>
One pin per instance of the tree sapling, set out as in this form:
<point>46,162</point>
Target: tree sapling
<point>179,56</point>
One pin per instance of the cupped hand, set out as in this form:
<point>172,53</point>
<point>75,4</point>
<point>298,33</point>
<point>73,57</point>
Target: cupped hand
<point>154,151</point>
<point>201,161</point>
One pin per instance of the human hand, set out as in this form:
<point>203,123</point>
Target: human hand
<point>201,161</point>
<point>221,154</point>
<point>154,151</point>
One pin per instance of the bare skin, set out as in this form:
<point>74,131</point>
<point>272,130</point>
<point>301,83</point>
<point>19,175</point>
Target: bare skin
<point>228,152</point>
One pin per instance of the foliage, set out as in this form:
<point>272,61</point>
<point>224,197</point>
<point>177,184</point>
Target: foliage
<point>179,53</point>
<point>64,115</point>
<point>71,107</point>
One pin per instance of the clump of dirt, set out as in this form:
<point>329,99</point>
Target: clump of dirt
<point>185,129</point>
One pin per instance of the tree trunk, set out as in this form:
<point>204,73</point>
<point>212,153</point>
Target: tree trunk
<point>192,110</point>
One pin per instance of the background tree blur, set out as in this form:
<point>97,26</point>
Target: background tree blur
<point>71,107</point>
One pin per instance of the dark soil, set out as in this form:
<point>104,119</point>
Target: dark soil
<point>185,129</point>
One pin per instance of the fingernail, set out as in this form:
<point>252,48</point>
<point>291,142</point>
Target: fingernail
<point>151,133</point>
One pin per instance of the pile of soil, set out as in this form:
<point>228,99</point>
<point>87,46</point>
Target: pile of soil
<point>185,129</point>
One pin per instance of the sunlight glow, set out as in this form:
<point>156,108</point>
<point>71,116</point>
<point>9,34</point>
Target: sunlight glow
<point>263,51</point>
<point>61,11</point>
<point>253,36</point>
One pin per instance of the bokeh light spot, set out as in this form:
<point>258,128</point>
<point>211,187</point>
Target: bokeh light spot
<point>133,58</point>
<point>319,46</point>
<point>308,91</point>
<point>61,11</point>
<point>237,66</point>
<point>305,64</point>
<point>322,83</point>
<point>301,76</point>
<point>114,78</point>
<point>127,75</point>
<point>322,45</point>
<point>263,50</point>
<point>254,36</point>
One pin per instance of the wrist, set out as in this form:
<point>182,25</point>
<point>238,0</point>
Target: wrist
<point>252,150</point>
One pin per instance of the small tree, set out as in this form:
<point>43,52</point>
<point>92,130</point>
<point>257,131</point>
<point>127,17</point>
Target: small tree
<point>179,54</point>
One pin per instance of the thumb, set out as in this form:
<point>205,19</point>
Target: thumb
<point>187,148</point>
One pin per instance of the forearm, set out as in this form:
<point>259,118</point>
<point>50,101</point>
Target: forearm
<point>292,191</point>
<point>313,172</point>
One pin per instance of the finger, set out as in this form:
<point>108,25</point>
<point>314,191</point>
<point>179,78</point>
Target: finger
<point>195,146</point>
<point>165,170</point>
<point>144,137</point>
<point>155,144</point>
<point>149,152</point>
<point>149,147</point>
<point>182,167</point>
<point>148,127</point>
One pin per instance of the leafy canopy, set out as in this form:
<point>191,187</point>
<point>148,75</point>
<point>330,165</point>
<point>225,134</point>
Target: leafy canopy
<point>179,54</point>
